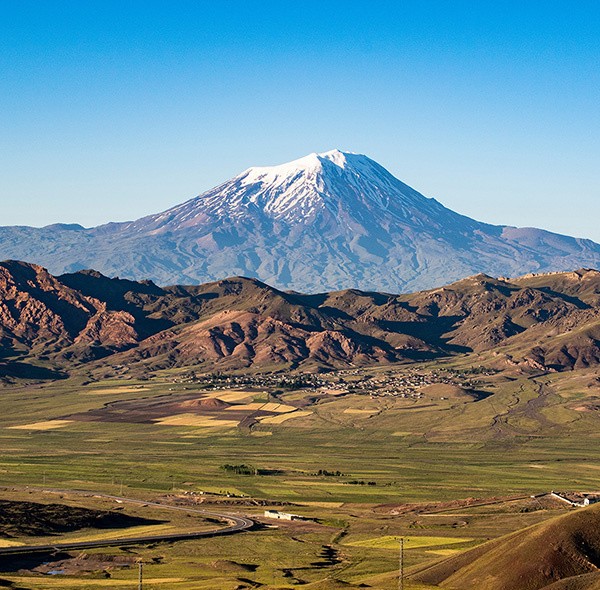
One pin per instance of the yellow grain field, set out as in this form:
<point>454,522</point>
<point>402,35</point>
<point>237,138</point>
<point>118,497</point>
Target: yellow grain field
<point>138,531</point>
<point>7,543</point>
<point>63,582</point>
<point>47,425</point>
<point>112,390</point>
<point>264,407</point>
<point>253,407</point>
<point>196,421</point>
<point>232,395</point>
<point>278,408</point>
<point>281,418</point>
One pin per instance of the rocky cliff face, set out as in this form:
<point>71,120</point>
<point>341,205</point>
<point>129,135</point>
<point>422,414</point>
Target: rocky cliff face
<point>42,315</point>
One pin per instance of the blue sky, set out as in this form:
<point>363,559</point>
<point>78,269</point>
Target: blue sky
<point>114,110</point>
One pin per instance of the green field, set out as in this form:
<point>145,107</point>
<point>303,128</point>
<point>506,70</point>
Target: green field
<point>524,439</point>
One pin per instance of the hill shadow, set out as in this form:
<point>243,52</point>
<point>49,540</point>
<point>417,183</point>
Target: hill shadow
<point>432,332</point>
<point>121,295</point>
<point>15,563</point>
<point>569,298</point>
<point>20,370</point>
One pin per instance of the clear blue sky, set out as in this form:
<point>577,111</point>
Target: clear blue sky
<point>114,110</point>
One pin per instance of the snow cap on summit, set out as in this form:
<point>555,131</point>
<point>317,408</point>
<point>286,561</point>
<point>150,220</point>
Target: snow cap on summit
<point>316,186</point>
<point>312,162</point>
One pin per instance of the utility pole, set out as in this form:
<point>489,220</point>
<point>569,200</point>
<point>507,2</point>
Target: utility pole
<point>141,574</point>
<point>401,565</point>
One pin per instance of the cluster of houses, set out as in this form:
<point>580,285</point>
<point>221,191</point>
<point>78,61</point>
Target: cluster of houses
<point>216,381</point>
<point>409,383</point>
<point>406,383</point>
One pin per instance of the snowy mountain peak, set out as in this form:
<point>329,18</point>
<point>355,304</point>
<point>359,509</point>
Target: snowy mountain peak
<point>301,189</point>
<point>311,164</point>
<point>318,187</point>
<point>327,221</point>
<point>336,156</point>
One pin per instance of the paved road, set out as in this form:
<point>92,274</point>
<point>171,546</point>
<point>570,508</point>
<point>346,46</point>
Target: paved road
<point>236,524</point>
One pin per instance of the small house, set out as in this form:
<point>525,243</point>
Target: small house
<point>282,515</point>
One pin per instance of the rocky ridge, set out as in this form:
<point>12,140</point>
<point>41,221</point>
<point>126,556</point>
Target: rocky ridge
<point>547,322</point>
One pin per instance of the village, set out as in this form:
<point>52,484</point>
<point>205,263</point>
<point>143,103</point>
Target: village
<point>395,383</point>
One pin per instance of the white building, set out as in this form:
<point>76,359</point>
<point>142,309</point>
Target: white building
<point>282,515</point>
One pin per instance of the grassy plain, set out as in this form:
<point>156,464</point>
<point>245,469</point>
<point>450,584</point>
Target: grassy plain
<point>420,455</point>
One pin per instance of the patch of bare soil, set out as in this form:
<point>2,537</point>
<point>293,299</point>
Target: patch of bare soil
<point>430,507</point>
<point>86,563</point>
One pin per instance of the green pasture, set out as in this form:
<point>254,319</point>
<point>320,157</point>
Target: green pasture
<point>524,438</point>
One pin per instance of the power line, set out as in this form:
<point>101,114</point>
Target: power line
<point>140,575</point>
<point>401,565</point>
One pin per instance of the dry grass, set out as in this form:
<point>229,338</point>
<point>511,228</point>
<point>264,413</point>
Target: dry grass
<point>334,392</point>
<point>63,582</point>
<point>253,407</point>
<point>196,421</point>
<point>532,557</point>
<point>357,411</point>
<point>278,408</point>
<point>7,543</point>
<point>389,542</point>
<point>444,552</point>
<point>112,390</point>
<point>231,395</point>
<point>323,504</point>
<point>264,407</point>
<point>285,417</point>
<point>47,425</point>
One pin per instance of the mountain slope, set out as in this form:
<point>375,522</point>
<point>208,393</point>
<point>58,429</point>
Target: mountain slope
<point>549,322</point>
<point>39,313</point>
<point>326,221</point>
<point>561,553</point>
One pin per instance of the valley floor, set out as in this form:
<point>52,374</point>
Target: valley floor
<point>446,466</point>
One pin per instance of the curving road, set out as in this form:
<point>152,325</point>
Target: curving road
<point>237,524</point>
